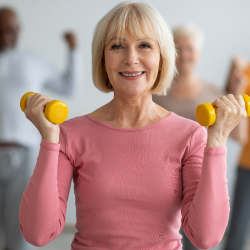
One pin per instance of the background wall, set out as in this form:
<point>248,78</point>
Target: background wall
<point>224,22</point>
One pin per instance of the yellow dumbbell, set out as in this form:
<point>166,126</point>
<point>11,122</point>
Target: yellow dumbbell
<point>206,113</point>
<point>55,111</point>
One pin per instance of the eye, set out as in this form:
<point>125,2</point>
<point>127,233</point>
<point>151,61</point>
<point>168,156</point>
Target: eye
<point>145,46</point>
<point>116,46</point>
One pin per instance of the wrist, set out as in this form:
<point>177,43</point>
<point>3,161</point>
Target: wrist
<point>51,139</point>
<point>52,136</point>
<point>216,141</point>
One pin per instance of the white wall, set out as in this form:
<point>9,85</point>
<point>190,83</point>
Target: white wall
<point>224,22</point>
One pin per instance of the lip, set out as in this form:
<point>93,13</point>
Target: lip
<point>132,77</point>
<point>131,72</point>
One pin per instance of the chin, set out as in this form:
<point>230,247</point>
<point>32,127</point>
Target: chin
<point>133,92</point>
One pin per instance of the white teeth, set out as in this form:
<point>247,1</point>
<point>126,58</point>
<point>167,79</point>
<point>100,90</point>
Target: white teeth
<point>132,74</point>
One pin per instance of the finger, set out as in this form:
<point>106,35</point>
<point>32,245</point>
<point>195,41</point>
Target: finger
<point>236,105</point>
<point>31,98</point>
<point>242,103</point>
<point>230,101</point>
<point>223,100</point>
<point>233,99</point>
<point>36,109</point>
<point>219,104</point>
<point>238,101</point>
<point>35,100</point>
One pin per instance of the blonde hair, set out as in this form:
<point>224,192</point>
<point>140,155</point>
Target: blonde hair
<point>190,29</point>
<point>138,19</point>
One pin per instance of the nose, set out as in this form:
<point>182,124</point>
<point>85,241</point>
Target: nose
<point>131,57</point>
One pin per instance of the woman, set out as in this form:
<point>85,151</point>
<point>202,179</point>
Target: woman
<point>238,83</point>
<point>136,167</point>
<point>189,90</point>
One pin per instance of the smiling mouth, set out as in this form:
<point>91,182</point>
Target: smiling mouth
<point>132,75</point>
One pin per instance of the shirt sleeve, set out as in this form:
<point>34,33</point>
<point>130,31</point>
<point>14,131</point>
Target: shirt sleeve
<point>205,206</point>
<point>68,82</point>
<point>43,206</point>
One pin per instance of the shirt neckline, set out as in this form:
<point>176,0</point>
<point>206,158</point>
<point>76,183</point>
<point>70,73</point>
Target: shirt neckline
<point>130,129</point>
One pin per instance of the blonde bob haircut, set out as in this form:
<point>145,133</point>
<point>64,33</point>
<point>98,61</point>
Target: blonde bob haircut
<point>139,20</point>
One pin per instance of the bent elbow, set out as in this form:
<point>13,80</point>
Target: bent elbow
<point>207,245</point>
<point>37,242</point>
<point>207,242</point>
<point>35,239</point>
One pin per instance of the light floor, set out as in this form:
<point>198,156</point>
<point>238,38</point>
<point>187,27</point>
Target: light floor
<point>63,242</point>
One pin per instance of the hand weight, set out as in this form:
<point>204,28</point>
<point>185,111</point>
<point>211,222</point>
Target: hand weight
<point>55,111</point>
<point>206,113</point>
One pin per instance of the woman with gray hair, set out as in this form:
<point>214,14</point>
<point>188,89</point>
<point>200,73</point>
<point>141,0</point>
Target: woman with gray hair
<point>137,168</point>
<point>189,90</point>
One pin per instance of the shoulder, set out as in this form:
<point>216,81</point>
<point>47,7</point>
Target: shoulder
<point>186,123</point>
<point>190,134</point>
<point>187,127</point>
<point>72,134</point>
<point>78,128</point>
<point>75,124</point>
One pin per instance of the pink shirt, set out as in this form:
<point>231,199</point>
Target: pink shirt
<point>133,187</point>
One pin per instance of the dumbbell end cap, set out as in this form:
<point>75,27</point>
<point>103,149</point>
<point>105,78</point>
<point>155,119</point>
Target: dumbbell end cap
<point>247,102</point>
<point>56,111</point>
<point>205,114</point>
<point>23,100</point>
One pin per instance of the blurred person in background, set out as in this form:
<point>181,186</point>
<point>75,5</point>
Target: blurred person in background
<point>239,83</point>
<point>189,90</point>
<point>22,71</point>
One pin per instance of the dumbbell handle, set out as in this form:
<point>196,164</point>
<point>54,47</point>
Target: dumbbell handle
<point>206,113</point>
<point>55,111</point>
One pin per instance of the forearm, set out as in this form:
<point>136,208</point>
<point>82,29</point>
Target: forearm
<point>206,220</point>
<point>40,215</point>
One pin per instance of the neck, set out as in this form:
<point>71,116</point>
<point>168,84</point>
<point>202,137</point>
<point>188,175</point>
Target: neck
<point>132,111</point>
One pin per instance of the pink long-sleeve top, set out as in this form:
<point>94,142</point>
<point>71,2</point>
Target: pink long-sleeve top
<point>133,187</point>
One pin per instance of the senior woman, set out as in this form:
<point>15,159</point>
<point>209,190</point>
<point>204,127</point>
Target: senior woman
<point>137,168</point>
<point>189,90</point>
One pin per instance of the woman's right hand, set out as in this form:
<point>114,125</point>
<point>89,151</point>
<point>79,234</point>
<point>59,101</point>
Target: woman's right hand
<point>35,107</point>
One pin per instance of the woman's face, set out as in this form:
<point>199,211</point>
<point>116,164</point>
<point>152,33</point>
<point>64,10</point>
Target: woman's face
<point>132,65</point>
<point>188,54</point>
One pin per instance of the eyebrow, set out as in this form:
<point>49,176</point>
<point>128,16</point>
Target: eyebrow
<point>144,38</point>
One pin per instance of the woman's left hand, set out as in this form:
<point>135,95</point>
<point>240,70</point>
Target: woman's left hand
<point>230,111</point>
